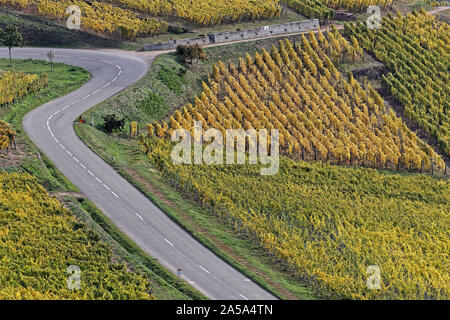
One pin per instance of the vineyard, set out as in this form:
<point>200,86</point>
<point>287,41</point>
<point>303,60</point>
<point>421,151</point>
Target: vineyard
<point>416,48</point>
<point>96,17</point>
<point>40,239</point>
<point>208,12</point>
<point>125,18</point>
<point>320,114</point>
<point>327,224</point>
<point>14,86</point>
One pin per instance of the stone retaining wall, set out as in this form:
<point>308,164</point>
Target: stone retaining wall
<point>266,31</point>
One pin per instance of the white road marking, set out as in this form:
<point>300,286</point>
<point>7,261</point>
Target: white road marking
<point>68,152</point>
<point>169,242</point>
<point>247,280</point>
<point>139,216</point>
<point>242,296</point>
<point>203,269</point>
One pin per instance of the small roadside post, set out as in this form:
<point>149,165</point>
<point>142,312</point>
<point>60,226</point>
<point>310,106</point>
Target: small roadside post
<point>51,56</point>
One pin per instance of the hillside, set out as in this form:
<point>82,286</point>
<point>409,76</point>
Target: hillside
<point>194,150</point>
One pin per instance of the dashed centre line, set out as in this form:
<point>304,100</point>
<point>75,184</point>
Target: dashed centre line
<point>74,102</point>
<point>203,269</point>
<point>139,216</point>
<point>115,195</point>
<point>169,242</point>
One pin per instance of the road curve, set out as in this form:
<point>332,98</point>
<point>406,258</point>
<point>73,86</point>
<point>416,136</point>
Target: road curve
<point>50,126</point>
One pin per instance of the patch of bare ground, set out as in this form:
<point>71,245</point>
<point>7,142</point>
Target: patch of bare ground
<point>13,157</point>
<point>68,194</point>
<point>197,228</point>
<point>413,125</point>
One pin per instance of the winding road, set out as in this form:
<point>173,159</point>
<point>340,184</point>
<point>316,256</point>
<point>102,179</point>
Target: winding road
<point>50,126</point>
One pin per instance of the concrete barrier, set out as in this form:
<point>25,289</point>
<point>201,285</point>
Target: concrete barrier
<point>171,45</point>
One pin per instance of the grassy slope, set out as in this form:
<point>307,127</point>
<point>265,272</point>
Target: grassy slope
<point>28,158</point>
<point>124,156</point>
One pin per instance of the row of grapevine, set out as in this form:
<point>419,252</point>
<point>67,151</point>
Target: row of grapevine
<point>40,239</point>
<point>6,135</point>
<point>320,114</point>
<point>323,9</point>
<point>311,8</point>
<point>327,224</point>
<point>96,17</point>
<point>416,48</point>
<point>208,12</point>
<point>14,86</point>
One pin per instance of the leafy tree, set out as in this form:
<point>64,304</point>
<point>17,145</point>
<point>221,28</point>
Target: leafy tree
<point>11,37</point>
<point>112,123</point>
<point>190,53</point>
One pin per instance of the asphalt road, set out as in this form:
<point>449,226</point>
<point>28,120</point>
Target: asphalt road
<point>50,126</point>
